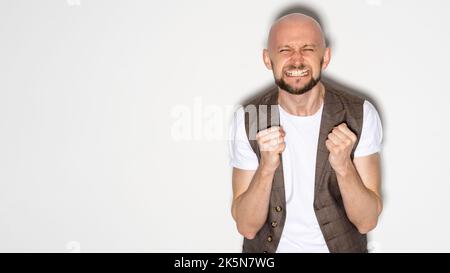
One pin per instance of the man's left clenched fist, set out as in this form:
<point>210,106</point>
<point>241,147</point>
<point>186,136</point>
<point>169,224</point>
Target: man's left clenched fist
<point>340,143</point>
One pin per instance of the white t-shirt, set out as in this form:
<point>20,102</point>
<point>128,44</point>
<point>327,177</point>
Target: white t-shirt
<point>301,232</point>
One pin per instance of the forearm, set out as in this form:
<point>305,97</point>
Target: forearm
<point>361,204</point>
<point>251,208</point>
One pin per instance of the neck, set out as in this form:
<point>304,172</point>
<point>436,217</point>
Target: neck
<point>305,104</point>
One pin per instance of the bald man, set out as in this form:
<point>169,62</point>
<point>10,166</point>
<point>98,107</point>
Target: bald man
<point>310,180</point>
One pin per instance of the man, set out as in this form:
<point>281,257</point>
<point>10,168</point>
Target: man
<point>311,181</point>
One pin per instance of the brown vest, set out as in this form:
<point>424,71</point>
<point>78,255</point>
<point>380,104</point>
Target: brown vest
<point>339,233</point>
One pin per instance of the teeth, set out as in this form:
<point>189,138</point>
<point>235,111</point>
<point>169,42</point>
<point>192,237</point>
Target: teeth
<point>297,73</point>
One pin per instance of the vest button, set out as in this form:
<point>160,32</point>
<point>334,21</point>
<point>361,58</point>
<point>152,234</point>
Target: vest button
<point>278,208</point>
<point>274,224</point>
<point>269,238</point>
<point>265,251</point>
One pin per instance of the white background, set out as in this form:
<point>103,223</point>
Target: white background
<point>90,93</point>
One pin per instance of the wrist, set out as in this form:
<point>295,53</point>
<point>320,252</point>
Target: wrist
<point>345,169</point>
<point>266,170</point>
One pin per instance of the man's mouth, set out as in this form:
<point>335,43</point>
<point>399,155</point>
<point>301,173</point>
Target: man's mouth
<point>297,72</point>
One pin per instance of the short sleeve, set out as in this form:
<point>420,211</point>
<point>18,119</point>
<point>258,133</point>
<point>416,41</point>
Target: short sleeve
<point>371,134</point>
<point>242,155</point>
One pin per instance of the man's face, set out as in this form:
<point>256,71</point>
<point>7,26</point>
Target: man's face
<point>296,55</point>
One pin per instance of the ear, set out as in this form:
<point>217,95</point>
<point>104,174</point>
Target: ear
<point>326,58</point>
<point>266,59</point>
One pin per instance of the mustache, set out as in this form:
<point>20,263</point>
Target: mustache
<point>291,67</point>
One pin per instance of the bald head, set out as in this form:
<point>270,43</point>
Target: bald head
<point>296,27</point>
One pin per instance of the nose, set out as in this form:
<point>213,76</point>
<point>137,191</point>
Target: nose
<point>297,58</point>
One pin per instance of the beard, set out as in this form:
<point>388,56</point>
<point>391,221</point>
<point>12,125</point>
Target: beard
<point>282,84</point>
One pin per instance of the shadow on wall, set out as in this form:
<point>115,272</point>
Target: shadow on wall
<point>296,8</point>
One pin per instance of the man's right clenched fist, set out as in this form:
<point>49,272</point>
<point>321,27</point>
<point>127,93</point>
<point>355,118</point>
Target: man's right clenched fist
<point>271,144</point>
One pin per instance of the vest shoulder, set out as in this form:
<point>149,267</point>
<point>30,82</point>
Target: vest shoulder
<point>345,95</point>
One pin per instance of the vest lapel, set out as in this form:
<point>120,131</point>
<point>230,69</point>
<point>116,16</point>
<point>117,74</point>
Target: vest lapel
<point>333,114</point>
<point>273,116</point>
